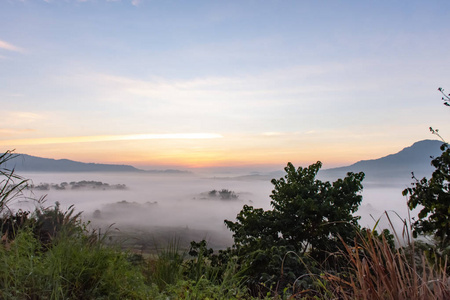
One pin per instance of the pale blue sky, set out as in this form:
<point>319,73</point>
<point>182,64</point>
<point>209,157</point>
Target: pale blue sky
<point>274,81</point>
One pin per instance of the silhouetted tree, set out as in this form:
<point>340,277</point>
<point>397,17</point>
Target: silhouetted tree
<point>433,195</point>
<point>308,216</point>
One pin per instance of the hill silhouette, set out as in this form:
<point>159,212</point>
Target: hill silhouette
<point>29,163</point>
<point>415,158</point>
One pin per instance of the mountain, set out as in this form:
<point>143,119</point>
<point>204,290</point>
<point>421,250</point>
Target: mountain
<point>28,163</point>
<point>416,158</point>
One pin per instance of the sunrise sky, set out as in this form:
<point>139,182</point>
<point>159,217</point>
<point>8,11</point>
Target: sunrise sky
<point>156,83</point>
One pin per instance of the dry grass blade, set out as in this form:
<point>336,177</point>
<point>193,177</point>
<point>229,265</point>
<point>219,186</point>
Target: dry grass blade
<point>378,271</point>
<point>12,184</point>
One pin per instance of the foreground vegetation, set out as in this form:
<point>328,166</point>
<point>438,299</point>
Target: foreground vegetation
<point>309,246</point>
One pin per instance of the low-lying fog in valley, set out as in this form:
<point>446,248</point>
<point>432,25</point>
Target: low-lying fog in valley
<point>154,208</point>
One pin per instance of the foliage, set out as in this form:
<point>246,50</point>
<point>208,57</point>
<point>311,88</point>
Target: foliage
<point>433,197</point>
<point>74,268</point>
<point>224,194</point>
<point>12,222</point>
<point>308,217</point>
<point>51,222</point>
<point>200,264</point>
<point>445,98</point>
<point>173,276</point>
<point>83,184</point>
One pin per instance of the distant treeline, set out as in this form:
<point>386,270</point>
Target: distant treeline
<point>77,185</point>
<point>223,194</point>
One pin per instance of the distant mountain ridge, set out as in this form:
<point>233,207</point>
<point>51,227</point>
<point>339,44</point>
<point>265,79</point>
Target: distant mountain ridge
<point>29,163</point>
<point>415,158</point>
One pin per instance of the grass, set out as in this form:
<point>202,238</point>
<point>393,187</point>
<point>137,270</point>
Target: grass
<point>74,267</point>
<point>377,270</point>
<point>166,269</point>
<point>11,184</point>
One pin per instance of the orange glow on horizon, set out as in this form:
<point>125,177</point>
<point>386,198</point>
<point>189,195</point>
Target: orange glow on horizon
<point>201,150</point>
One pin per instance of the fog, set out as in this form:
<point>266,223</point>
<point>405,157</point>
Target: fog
<point>166,206</point>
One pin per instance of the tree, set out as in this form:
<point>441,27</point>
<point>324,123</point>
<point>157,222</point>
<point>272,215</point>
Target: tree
<point>433,195</point>
<point>308,216</point>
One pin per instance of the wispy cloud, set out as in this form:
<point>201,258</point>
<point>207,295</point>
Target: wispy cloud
<point>136,2</point>
<point>21,118</point>
<point>13,95</point>
<point>274,85</point>
<point>9,131</point>
<point>274,133</point>
<point>170,136</point>
<point>288,134</point>
<point>133,2</point>
<point>108,138</point>
<point>10,47</point>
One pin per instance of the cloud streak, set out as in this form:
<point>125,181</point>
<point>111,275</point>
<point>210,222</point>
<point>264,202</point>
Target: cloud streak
<point>10,131</point>
<point>109,138</point>
<point>136,2</point>
<point>10,47</point>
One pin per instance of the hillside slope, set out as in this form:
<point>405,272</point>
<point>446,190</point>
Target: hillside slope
<point>28,163</point>
<point>415,158</point>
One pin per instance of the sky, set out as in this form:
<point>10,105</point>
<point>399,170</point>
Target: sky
<point>195,84</point>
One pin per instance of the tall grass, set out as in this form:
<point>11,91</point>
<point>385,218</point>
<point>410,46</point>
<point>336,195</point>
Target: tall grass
<point>174,275</point>
<point>74,268</point>
<point>376,270</point>
<point>11,184</point>
<point>166,268</point>
<point>84,269</point>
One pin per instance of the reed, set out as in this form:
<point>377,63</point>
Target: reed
<point>376,270</point>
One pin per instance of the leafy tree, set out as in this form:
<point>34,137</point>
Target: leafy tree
<point>308,216</point>
<point>433,196</point>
